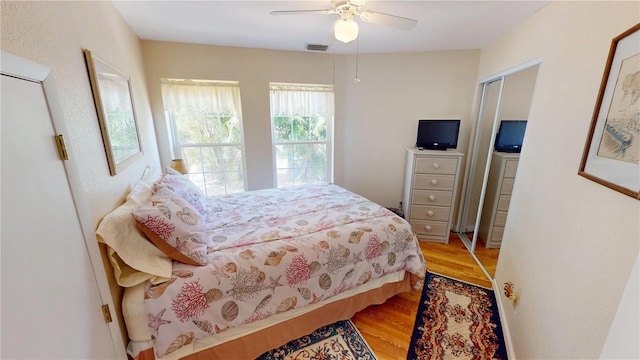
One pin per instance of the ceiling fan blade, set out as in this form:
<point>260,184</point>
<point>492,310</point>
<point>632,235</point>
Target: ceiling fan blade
<point>397,22</point>
<point>303,12</point>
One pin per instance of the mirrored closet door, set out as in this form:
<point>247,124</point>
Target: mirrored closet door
<point>503,113</point>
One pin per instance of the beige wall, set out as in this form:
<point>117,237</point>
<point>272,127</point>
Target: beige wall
<point>254,69</point>
<point>570,243</point>
<point>379,118</point>
<point>54,34</point>
<point>375,120</point>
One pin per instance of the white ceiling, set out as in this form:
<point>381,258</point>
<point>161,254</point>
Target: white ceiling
<point>442,25</point>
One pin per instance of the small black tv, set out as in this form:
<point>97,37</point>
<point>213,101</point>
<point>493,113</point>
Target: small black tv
<point>438,134</point>
<point>510,136</point>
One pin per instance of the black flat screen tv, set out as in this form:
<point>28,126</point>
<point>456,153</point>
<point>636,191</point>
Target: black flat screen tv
<point>510,136</point>
<point>438,134</point>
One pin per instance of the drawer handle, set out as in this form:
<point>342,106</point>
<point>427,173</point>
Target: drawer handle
<point>432,197</point>
<point>434,182</point>
<point>436,165</point>
<point>429,213</point>
<point>427,227</point>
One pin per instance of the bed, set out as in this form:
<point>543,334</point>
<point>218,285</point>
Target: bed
<point>236,275</point>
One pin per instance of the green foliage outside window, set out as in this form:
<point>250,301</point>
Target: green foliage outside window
<point>211,147</point>
<point>301,149</point>
<point>207,128</point>
<point>299,128</point>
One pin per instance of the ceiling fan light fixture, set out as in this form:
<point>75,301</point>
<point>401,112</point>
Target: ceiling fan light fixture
<point>346,30</point>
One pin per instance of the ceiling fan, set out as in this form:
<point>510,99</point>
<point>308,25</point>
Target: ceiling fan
<point>345,28</point>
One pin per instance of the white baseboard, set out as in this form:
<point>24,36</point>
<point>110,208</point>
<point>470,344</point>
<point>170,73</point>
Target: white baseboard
<point>506,333</point>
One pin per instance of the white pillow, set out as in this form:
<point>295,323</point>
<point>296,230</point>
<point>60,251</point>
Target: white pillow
<point>134,258</point>
<point>140,193</point>
<point>183,187</point>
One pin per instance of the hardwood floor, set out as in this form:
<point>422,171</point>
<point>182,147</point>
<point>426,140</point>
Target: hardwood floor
<point>488,257</point>
<point>388,327</point>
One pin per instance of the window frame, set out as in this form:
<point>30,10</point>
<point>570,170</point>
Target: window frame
<point>329,129</point>
<point>177,148</point>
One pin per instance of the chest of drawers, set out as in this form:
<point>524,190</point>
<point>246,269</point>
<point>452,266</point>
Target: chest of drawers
<point>430,190</point>
<point>497,198</point>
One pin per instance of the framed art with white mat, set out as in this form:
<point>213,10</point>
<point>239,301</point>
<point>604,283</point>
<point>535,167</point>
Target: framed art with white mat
<point>612,152</point>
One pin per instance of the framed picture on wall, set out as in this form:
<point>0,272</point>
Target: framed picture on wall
<point>114,104</point>
<point>611,155</point>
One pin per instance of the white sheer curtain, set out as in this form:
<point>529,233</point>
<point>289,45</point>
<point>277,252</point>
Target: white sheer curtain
<point>199,97</point>
<point>204,97</point>
<point>291,100</point>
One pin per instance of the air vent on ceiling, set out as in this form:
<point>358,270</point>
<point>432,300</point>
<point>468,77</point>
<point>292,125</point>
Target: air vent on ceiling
<point>317,47</point>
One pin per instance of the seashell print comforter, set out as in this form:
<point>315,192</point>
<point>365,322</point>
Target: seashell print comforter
<point>274,250</point>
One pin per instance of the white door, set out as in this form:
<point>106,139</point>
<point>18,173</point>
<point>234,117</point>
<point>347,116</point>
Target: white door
<point>50,300</point>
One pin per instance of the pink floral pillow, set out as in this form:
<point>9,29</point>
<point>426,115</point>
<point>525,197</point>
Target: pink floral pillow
<point>182,186</point>
<point>174,226</point>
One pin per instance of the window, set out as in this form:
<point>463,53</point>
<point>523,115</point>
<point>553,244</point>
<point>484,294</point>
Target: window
<point>301,129</point>
<point>205,125</point>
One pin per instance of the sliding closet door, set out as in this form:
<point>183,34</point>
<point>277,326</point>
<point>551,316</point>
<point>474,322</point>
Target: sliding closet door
<point>51,306</point>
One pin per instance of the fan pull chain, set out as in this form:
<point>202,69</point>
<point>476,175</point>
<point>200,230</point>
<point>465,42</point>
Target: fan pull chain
<point>357,80</point>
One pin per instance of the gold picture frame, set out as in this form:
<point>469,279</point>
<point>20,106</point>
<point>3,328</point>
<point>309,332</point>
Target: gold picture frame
<point>116,113</point>
<point>611,156</point>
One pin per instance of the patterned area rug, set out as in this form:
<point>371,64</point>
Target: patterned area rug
<point>456,320</point>
<point>339,341</point>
